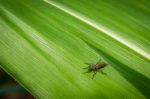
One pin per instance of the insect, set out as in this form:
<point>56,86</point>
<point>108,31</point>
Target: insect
<point>95,67</point>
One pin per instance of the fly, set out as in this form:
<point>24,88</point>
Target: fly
<point>95,67</point>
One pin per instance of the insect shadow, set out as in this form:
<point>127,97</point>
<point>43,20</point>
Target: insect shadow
<point>95,68</point>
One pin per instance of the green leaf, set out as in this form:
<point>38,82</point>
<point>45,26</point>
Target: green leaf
<point>44,45</point>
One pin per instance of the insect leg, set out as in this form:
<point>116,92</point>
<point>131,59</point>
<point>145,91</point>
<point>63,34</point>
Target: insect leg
<point>85,67</point>
<point>87,71</point>
<point>87,63</point>
<point>98,61</point>
<point>103,72</point>
<point>94,74</point>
